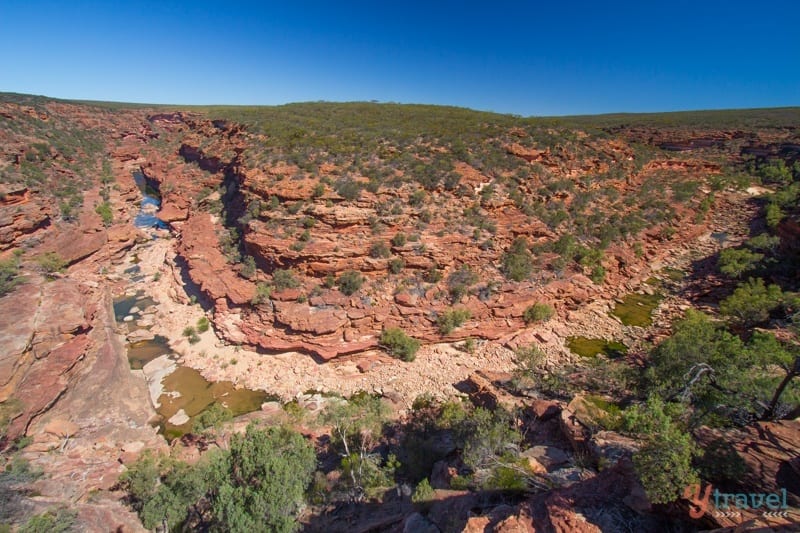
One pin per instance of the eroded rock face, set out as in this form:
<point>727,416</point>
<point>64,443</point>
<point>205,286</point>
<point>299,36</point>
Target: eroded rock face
<point>21,218</point>
<point>288,216</point>
<point>208,267</point>
<point>78,402</point>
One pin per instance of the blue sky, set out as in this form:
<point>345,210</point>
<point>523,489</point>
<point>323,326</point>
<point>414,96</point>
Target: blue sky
<point>526,58</point>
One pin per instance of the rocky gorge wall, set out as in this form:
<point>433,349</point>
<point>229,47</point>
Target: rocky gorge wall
<point>284,218</point>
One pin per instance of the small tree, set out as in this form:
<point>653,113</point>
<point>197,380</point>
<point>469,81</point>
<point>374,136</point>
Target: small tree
<point>355,430</point>
<point>735,262</point>
<point>752,302</point>
<point>664,463</point>
<point>265,476</point>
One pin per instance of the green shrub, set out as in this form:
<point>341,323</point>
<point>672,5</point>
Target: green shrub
<point>417,198</point>
<point>752,302</point>
<point>263,292</point>
<point>379,250</point>
<point>517,262</point>
<point>451,319</point>
<point>774,215</point>
<point>598,274</point>
<point>763,242</point>
<point>423,493</point>
<point>399,239</point>
<point>664,463</point>
<point>104,210</point>
<point>348,189</point>
<point>396,265</point>
<point>432,275</point>
<point>212,417</point>
<point>60,522</point>
<point>459,282</point>
<point>529,358</point>
<point>468,345</point>
<point>202,324</point>
<point>248,268</point>
<point>191,334</point>
<point>509,476</point>
<point>349,282</point>
<point>538,313</point>
<point>284,279</point>
<point>734,262</point>
<point>9,275</point>
<point>257,484</point>
<point>398,344</point>
<point>51,262</point>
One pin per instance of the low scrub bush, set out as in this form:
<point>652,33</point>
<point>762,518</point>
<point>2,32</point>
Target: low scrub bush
<point>398,344</point>
<point>451,319</point>
<point>538,313</point>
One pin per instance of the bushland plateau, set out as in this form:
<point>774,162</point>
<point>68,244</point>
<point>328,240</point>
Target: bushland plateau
<point>384,317</point>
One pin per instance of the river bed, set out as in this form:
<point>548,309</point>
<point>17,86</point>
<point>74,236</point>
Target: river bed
<point>178,393</point>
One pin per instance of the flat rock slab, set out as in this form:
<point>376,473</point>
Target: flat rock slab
<point>548,456</point>
<point>17,320</point>
<point>179,418</point>
<point>154,372</point>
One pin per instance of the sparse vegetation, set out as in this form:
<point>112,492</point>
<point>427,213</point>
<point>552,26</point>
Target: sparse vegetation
<point>452,319</point>
<point>284,279</point>
<point>263,292</point>
<point>51,263</point>
<point>9,275</point>
<point>518,261</point>
<point>105,212</point>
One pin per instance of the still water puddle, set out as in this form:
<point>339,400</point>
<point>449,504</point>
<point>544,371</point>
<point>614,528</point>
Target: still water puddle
<point>586,347</point>
<point>141,353</point>
<point>187,389</point>
<point>636,309</point>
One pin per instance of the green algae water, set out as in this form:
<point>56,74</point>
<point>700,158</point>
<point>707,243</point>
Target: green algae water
<point>187,389</point>
<point>141,353</point>
<point>636,309</point>
<point>589,348</point>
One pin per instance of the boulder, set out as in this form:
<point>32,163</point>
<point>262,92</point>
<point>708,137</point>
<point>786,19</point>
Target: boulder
<point>548,456</point>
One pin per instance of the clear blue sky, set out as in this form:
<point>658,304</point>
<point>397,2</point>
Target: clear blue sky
<point>522,57</point>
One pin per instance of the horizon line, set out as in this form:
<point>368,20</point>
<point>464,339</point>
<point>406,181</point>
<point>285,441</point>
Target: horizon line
<point>390,102</point>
